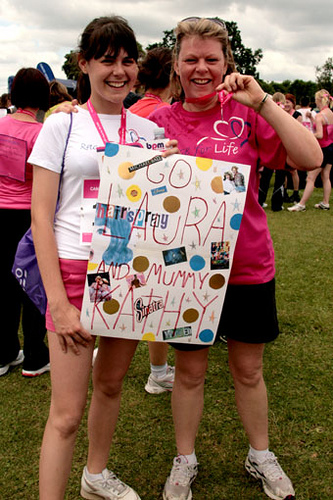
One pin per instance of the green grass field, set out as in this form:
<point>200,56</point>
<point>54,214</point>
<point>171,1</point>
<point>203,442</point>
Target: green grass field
<point>298,373</point>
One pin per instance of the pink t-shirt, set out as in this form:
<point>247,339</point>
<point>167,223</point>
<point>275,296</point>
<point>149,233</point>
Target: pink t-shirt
<point>16,142</point>
<point>145,106</point>
<point>327,138</point>
<point>240,136</point>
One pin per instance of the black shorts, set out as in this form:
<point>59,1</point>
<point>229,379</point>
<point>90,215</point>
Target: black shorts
<point>328,155</point>
<point>248,315</point>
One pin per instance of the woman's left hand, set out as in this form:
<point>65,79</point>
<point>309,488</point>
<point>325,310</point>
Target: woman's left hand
<point>172,148</point>
<point>245,89</point>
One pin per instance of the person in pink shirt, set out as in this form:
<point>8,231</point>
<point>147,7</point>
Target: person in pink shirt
<point>250,129</point>
<point>324,133</point>
<point>18,133</point>
<point>154,76</point>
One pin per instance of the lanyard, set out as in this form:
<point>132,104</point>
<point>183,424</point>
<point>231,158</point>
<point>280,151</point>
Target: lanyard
<point>100,128</point>
<point>223,97</point>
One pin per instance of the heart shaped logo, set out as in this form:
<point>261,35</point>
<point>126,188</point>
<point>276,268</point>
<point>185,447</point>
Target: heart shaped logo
<point>232,129</point>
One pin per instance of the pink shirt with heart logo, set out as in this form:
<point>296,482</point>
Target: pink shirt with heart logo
<point>240,136</point>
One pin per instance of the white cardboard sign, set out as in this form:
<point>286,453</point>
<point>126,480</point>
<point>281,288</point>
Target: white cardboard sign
<point>162,245</point>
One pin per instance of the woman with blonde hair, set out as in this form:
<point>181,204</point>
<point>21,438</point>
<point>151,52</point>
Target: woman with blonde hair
<point>203,71</point>
<point>324,134</point>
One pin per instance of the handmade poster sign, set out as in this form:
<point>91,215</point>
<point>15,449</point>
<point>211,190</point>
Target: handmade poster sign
<point>162,245</point>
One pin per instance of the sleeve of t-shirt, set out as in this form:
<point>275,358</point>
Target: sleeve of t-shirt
<point>166,117</point>
<point>272,153</point>
<point>50,144</point>
<point>158,116</point>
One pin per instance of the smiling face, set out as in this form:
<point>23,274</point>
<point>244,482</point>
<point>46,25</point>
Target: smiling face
<point>200,66</point>
<point>111,79</point>
<point>288,106</point>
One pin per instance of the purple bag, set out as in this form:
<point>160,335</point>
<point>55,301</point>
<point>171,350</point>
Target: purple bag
<point>25,267</point>
<point>26,271</point>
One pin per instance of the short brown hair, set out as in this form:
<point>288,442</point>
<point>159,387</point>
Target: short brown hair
<point>30,89</point>
<point>291,98</point>
<point>155,68</point>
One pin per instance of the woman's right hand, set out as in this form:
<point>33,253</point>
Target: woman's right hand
<point>69,329</point>
<point>172,148</point>
<point>245,89</point>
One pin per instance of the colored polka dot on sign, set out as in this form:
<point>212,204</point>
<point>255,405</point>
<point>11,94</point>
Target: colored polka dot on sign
<point>149,336</point>
<point>235,221</point>
<point>203,163</point>
<point>197,263</point>
<point>216,281</point>
<point>217,184</point>
<point>206,335</point>
<point>140,264</point>
<point>123,171</point>
<point>111,149</point>
<point>171,204</point>
<point>133,193</point>
<point>190,315</point>
<point>92,266</point>
<point>111,306</point>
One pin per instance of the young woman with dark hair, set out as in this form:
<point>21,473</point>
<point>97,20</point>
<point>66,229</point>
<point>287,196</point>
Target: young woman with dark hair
<point>108,62</point>
<point>18,133</point>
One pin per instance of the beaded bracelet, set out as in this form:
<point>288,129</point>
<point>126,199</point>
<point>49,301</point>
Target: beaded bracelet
<point>266,96</point>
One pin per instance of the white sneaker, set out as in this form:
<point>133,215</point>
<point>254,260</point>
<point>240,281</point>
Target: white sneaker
<point>156,385</point>
<point>322,206</point>
<point>36,373</point>
<point>108,488</point>
<point>275,482</point>
<point>297,208</point>
<point>17,361</point>
<point>178,484</point>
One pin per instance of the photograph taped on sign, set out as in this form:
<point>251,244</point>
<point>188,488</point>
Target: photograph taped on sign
<point>165,235</point>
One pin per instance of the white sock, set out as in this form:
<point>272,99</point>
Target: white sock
<point>188,459</point>
<point>258,455</point>
<point>159,371</point>
<point>94,477</point>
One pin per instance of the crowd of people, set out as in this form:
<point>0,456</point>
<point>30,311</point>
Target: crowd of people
<point>318,119</point>
<point>180,93</point>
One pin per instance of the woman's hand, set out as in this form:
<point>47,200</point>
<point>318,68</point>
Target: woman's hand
<point>172,148</point>
<point>245,89</point>
<point>69,329</point>
<point>67,107</point>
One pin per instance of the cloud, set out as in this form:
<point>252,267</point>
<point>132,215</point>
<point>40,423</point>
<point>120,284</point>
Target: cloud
<point>295,36</point>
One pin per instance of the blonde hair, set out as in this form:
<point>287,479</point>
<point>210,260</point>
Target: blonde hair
<point>324,97</point>
<point>278,97</point>
<point>203,28</point>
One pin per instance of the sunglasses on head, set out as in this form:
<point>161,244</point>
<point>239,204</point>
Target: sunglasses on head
<point>213,19</point>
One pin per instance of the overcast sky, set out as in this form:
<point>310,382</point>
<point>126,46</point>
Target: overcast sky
<point>295,35</point>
